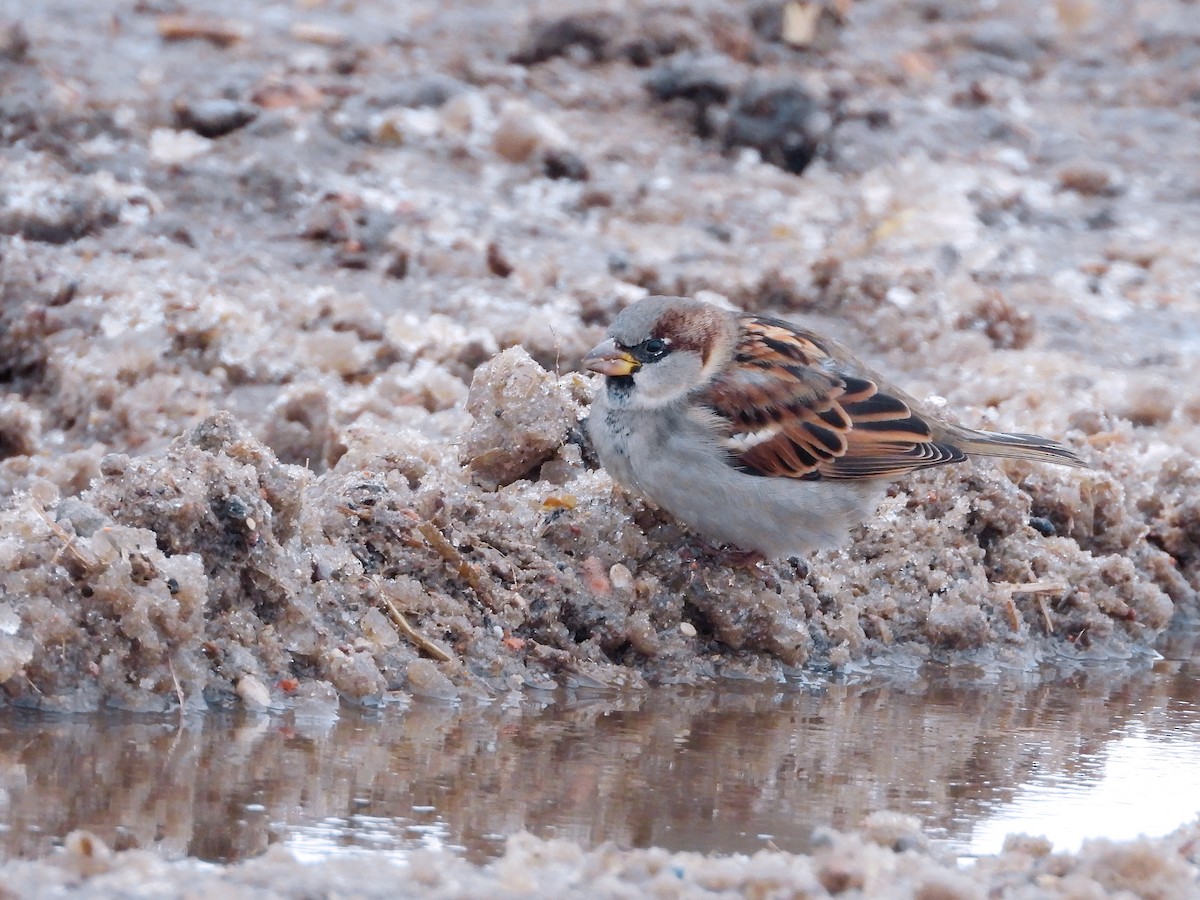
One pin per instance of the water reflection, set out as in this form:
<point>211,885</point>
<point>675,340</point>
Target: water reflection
<point>1143,782</point>
<point>724,770</point>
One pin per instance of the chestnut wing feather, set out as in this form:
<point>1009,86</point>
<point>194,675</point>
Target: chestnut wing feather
<point>794,412</point>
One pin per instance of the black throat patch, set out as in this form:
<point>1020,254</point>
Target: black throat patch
<point>619,386</point>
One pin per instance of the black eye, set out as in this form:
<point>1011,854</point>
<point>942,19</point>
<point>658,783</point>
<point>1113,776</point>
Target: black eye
<point>653,349</point>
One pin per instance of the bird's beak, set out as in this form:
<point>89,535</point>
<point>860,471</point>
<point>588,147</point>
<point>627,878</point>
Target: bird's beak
<point>607,359</point>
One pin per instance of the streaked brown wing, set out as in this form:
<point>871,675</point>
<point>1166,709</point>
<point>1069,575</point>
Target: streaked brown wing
<point>794,413</point>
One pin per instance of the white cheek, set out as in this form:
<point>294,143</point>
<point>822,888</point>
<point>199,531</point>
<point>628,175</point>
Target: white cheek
<point>667,381</point>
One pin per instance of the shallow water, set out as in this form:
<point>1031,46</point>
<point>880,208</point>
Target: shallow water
<point>1105,750</point>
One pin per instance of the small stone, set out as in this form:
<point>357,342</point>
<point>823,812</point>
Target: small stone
<point>894,830</point>
<point>662,32</point>
<point>253,693</point>
<point>20,427</point>
<point>426,680</point>
<point>702,79</point>
<point>114,465</point>
<point>497,262</point>
<point>433,90</point>
<point>515,138</point>
<point>214,118</point>
<point>14,43</point>
<point>461,114</point>
<point>322,35</point>
<point>1042,526</point>
<point>86,854</point>
<point>1149,400</point>
<point>521,132</point>
<point>15,654</point>
<point>621,578</point>
<point>170,147</point>
<point>401,125</point>
<point>82,518</point>
<point>564,164</point>
<point>781,121</point>
<point>522,415</point>
<point>593,577</point>
<point>591,32</point>
<point>799,26</point>
<point>397,264</point>
<point>803,24</point>
<point>378,629</point>
<point>10,622</point>
<point>1007,325</point>
<point>1029,845</point>
<point>58,210</point>
<point>687,629</point>
<point>1089,177</point>
<point>290,94</point>
<point>217,31</point>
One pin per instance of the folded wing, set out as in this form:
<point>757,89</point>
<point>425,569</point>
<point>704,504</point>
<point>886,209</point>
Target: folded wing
<point>793,414</point>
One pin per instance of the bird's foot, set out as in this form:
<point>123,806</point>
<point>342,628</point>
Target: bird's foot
<point>729,556</point>
<point>739,559</point>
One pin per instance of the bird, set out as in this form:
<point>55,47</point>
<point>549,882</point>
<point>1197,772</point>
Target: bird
<point>763,437</point>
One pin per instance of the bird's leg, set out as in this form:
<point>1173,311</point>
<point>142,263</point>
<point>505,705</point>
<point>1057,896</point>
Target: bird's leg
<point>739,559</point>
<point>733,557</point>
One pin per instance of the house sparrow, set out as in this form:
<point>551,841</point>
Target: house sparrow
<point>759,434</point>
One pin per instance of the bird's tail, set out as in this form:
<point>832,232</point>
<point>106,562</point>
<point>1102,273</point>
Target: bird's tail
<point>1017,446</point>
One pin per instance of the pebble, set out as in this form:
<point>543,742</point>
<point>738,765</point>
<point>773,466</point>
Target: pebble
<point>214,118</point>
<point>781,120</point>
<point>378,629</point>
<point>426,680</point>
<point>706,80</point>
<point>591,33</point>
<point>170,147</point>
<point>14,43</point>
<point>253,693</point>
<point>1089,177</point>
<point>621,578</point>
<point>403,125</point>
<point>219,32</point>
<point>312,33</point>
<point>86,854</point>
<point>593,577</point>
<point>522,414</point>
<point>564,164</point>
<point>15,653</point>
<point>521,131</point>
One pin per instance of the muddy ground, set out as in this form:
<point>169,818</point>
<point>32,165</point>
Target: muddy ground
<point>256,443</point>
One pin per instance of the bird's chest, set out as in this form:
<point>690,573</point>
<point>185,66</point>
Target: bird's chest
<point>619,442</point>
<point>640,450</point>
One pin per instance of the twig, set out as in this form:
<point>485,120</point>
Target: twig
<point>403,626</point>
<point>68,540</point>
<point>1045,610</point>
<point>178,687</point>
<point>1038,589</point>
<point>1033,587</point>
<point>436,540</point>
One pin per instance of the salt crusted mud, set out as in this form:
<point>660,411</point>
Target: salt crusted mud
<point>256,442</point>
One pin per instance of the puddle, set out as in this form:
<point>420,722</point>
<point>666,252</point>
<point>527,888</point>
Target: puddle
<point>1099,752</point>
